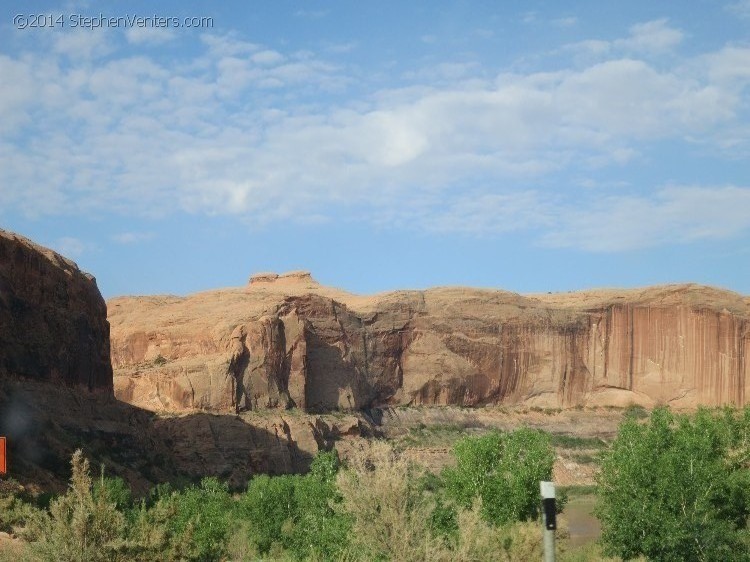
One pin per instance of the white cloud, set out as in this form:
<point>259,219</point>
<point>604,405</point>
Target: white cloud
<point>70,247</point>
<point>268,57</point>
<point>489,213</point>
<point>83,44</point>
<point>16,89</point>
<point>568,21</point>
<point>149,35</point>
<point>741,8</point>
<point>132,237</point>
<point>673,215</point>
<point>242,129</point>
<point>645,39</point>
<point>652,36</point>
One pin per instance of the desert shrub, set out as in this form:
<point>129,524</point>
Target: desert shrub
<point>504,471</point>
<point>16,505</point>
<point>81,526</point>
<point>115,490</point>
<point>576,442</point>
<point>635,411</point>
<point>149,535</point>
<point>17,551</point>
<point>389,515</point>
<point>677,488</point>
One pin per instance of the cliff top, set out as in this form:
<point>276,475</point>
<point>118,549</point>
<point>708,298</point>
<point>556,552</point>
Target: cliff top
<point>266,292</point>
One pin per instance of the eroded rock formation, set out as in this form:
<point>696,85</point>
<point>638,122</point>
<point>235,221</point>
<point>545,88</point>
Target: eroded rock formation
<point>56,389</point>
<point>285,341</point>
<point>53,320</point>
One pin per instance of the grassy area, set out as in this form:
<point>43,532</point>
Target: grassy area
<point>437,435</point>
<point>575,442</point>
<point>578,490</point>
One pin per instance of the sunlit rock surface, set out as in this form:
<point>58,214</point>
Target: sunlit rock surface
<point>285,341</point>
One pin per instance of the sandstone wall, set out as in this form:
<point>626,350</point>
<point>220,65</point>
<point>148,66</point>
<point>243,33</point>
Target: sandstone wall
<point>298,344</point>
<point>53,320</point>
<point>56,389</point>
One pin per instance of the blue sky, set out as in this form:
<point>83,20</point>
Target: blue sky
<point>529,146</point>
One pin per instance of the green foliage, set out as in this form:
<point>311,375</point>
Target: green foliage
<point>677,488</point>
<point>81,526</point>
<point>15,505</point>
<point>268,503</point>
<point>504,470</point>
<point>115,490</point>
<point>295,513</point>
<point>444,519</point>
<point>318,531</point>
<point>203,516</point>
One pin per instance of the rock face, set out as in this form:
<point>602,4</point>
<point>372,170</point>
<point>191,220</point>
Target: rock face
<point>285,341</point>
<point>53,320</point>
<point>56,388</point>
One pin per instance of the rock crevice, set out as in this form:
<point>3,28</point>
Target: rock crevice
<point>322,349</point>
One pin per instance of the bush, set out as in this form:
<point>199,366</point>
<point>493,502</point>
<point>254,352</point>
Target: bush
<point>115,490</point>
<point>389,514</point>
<point>295,513</point>
<point>202,520</point>
<point>81,526</point>
<point>318,531</point>
<point>677,488</point>
<point>504,471</point>
<point>15,505</point>
<point>268,503</point>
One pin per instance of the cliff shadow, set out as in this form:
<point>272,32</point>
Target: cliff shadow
<point>332,382</point>
<point>45,424</point>
<point>226,446</point>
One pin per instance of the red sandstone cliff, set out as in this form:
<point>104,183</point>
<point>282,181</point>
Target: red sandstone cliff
<point>285,341</point>
<point>53,320</point>
<point>56,392</point>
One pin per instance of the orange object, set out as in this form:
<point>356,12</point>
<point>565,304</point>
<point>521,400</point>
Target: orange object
<point>3,457</point>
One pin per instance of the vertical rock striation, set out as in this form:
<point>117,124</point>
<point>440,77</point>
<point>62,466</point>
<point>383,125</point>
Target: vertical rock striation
<point>285,341</point>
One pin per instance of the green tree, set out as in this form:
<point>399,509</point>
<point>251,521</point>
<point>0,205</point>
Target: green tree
<point>268,504</point>
<point>504,471</point>
<point>319,532</point>
<point>202,520</point>
<point>295,513</point>
<point>677,488</point>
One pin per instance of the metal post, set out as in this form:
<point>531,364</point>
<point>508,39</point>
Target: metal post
<point>549,519</point>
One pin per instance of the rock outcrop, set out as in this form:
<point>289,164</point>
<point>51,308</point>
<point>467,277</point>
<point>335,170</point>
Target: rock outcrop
<point>56,388</point>
<point>285,341</point>
<point>53,320</point>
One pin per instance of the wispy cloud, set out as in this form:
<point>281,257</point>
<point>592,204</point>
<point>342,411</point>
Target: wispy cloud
<point>568,21</point>
<point>70,247</point>
<point>654,37</point>
<point>145,136</point>
<point>132,237</point>
<point>673,215</point>
<point>741,8</point>
<point>149,35</point>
